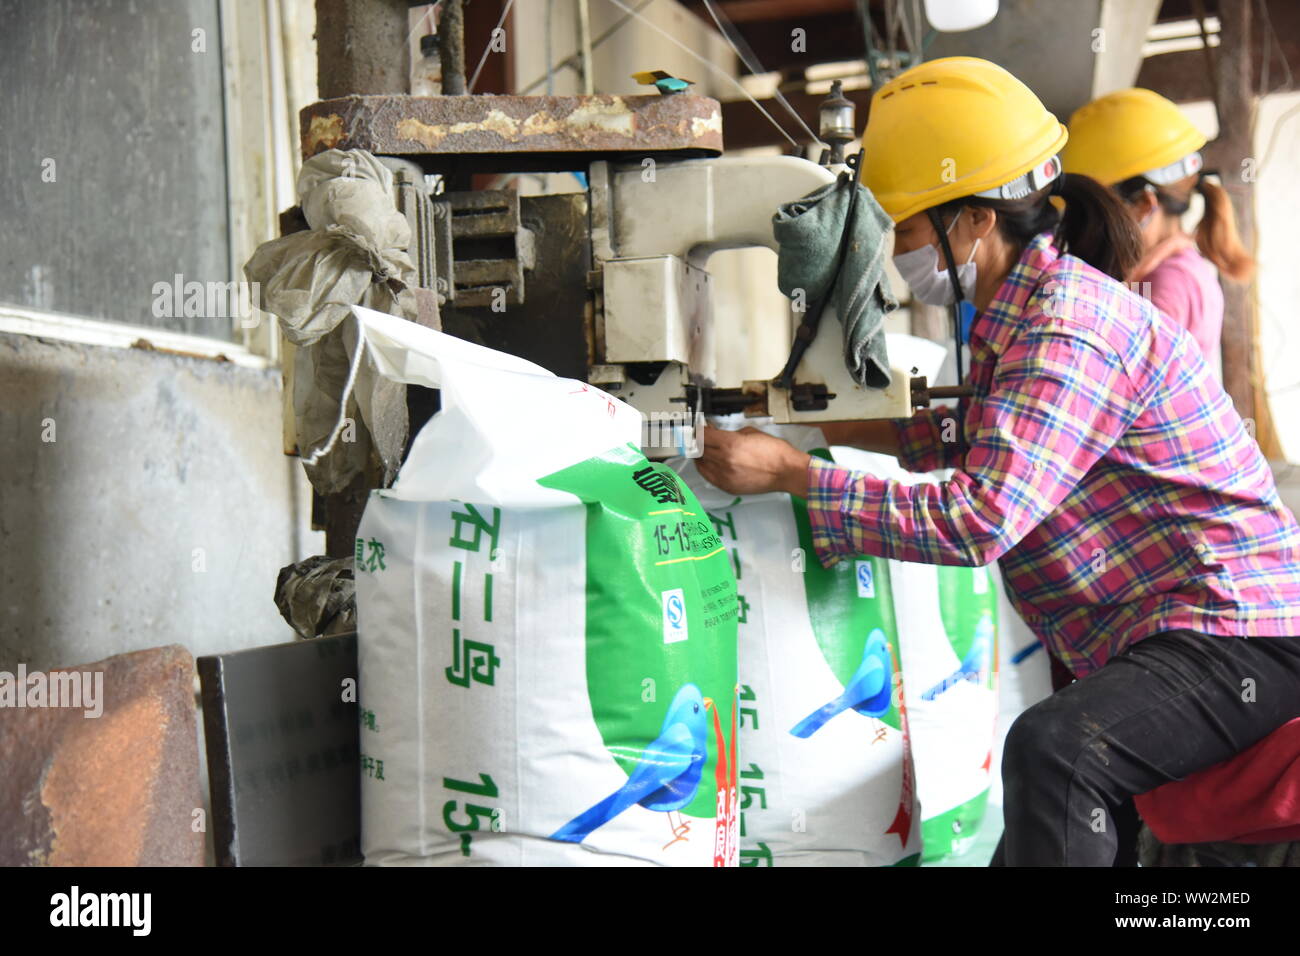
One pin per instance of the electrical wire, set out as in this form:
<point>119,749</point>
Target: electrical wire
<point>916,34</point>
<point>550,70</point>
<point>1272,139</point>
<point>1272,41</point>
<point>584,46</point>
<point>908,36</point>
<point>891,25</point>
<point>488,48</point>
<point>747,57</point>
<point>716,69</point>
<point>864,11</point>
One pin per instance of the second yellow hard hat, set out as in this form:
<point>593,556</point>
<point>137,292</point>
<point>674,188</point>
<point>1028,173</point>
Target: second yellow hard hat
<point>1132,133</point>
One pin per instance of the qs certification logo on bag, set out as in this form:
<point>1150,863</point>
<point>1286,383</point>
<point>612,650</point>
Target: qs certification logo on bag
<point>865,573</point>
<point>674,605</point>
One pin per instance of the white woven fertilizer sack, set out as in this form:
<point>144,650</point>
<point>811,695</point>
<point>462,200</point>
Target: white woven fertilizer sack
<point>825,772</point>
<point>948,628</point>
<point>547,631</point>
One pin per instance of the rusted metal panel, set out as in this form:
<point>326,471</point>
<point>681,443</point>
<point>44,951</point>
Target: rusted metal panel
<point>459,125</point>
<point>115,789</point>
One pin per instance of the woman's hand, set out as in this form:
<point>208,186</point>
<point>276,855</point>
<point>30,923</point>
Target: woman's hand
<point>750,462</point>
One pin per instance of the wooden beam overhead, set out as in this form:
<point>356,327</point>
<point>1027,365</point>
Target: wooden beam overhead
<point>825,39</point>
<point>1182,76</point>
<point>1185,9</point>
<point>751,11</point>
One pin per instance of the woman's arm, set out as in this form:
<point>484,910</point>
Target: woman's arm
<point>1060,399</point>
<point>878,435</point>
<point>928,440</point>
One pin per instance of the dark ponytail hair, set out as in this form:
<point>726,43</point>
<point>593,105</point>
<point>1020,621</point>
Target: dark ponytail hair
<point>1216,233</point>
<point>1095,226</point>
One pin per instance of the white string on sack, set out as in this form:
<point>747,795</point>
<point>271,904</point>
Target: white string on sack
<point>325,449</point>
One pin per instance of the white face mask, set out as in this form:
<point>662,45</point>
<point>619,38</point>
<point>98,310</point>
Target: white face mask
<point>928,281</point>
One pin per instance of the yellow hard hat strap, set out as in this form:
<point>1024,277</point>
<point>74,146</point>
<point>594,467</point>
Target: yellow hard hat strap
<point>949,261</point>
<point>958,295</point>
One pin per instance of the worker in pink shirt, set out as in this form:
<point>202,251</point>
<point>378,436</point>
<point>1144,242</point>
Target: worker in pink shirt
<point>1142,146</point>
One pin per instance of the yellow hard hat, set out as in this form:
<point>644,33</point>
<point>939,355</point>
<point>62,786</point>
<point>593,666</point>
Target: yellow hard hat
<point>953,127</point>
<point>1132,133</point>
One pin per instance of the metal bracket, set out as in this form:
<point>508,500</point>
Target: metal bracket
<point>491,249</point>
<point>923,394</point>
<point>422,214</point>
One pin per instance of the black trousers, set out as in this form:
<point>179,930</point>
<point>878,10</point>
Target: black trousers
<point>1169,705</point>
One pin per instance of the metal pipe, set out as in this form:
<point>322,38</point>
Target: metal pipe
<point>361,47</point>
<point>451,47</point>
<point>584,43</point>
<point>550,68</point>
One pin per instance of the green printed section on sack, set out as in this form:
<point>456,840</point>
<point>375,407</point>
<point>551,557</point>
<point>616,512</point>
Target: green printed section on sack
<point>951,832</point>
<point>661,637</point>
<point>851,608</point>
<point>969,610</point>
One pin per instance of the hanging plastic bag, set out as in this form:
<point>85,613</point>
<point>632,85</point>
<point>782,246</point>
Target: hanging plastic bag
<point>354,253</point>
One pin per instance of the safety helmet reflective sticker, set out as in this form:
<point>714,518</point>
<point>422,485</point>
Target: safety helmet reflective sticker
<point>1029,182</point>
<point>1179,169</point>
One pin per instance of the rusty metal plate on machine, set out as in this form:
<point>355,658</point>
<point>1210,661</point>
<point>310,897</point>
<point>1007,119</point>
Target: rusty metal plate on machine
<point>535,131</point>
<point>99,764</point>
<point>282,729</point>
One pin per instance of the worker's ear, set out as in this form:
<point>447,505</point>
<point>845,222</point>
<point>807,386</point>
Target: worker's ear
<point>1143,205</point>
<point>983,221</point>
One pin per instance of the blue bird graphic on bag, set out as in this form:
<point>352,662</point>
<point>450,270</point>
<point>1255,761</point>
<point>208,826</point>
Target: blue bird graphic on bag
<point>974,665</point>
<point>868,691</point>
<point>667,773</point>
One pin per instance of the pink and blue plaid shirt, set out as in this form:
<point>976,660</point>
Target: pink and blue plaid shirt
<point>1099,461</point>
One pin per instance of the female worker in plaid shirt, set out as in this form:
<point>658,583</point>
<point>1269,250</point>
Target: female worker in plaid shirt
<point>1098,460</point>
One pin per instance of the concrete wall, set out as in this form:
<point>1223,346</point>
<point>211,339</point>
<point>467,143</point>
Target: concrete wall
<point>114,164</point>
<point>161,511</point>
